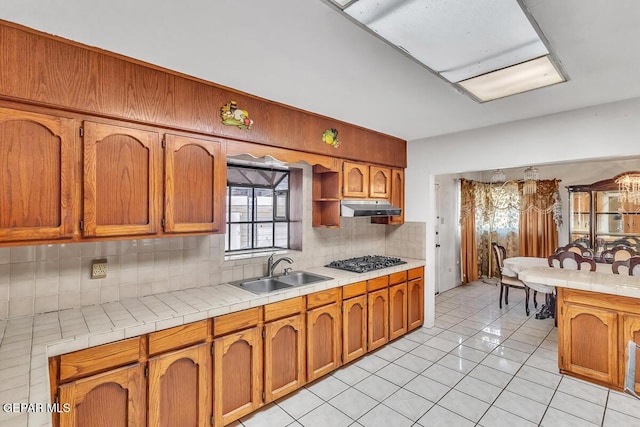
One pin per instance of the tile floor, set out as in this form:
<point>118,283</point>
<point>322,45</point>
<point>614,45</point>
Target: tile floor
<point>479,366</point>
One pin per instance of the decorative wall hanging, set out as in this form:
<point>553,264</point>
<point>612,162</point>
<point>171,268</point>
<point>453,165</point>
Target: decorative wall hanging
<point>330,136</point>
<point>234,116</point>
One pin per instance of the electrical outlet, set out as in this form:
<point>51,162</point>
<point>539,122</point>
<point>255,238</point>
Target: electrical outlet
<point>99,269</point>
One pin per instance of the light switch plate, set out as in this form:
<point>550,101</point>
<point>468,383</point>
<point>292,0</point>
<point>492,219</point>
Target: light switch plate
<point>99,269</point>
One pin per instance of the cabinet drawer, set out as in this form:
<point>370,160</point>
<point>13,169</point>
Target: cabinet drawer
<point>397,278</point>
<point>321,298</point>
<point>354,289</point>
<point>236,321</point>
<point>180,336</point>
<point>377,283</point>
<point>278,310</point>
<point>83,363</point>
<point>416,273</point>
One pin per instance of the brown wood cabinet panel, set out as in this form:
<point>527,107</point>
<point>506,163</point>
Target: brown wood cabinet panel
<point>38,173</point>
<point>377,283</point>
<point>323,340</point>
<point>96,359</point>
<point>589,343</point>
<point>396,199</point>
<point>317,299</point>
<point>415,303</point>
<point>237,377</point>
<point>378,318</point>
<point>235,321</point>
<point>415,273</point>
<point>356,180</point>
<point>116,399</point>
<point>180,388</point>
<point>42,68</point>
<point>379,182</point>
<point>354,328</point>
<point>177,337</point>
<point>195,185</point>
<point>122,181</point>
<point>284,356</point>
<point>630,332</point>
<point>397,278</point>
<point>354,290</point>
<point>397,311</point>
<point>288,307</point>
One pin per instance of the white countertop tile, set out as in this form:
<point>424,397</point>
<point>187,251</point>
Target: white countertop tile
<point>27,342</point>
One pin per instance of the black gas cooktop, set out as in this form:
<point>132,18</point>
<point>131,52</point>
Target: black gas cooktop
<point>365,263</point>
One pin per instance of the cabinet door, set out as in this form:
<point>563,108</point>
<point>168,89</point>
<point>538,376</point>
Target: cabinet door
<point>284,356</point>
<point>354,328</point>
<point>397,311</point>
<point>237,375</point>
<point>122,181</point>
<point>37,176</point>
<point>590,342</point>
<point>179,388</point>
<point>379,182</point>
<point>195,182</point>
<point>355,180</point>
<point>415,303</point>
<point>323,340</point>
<point>113,399</point>
<point>378,318</point>
<point>397,195</point>
<point>630,332</point>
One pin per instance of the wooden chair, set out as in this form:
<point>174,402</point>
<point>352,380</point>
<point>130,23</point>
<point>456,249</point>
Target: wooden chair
<point>571,261</point>
<point>577,248</point>
<point>632,264</point>
<point>507,282</point>
<point>583,241</point>
<point>617,253</point>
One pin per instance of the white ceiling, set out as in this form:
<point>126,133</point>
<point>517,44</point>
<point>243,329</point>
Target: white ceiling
<point>305,54</point>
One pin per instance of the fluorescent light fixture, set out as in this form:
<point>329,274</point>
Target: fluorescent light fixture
<point>457,40</point>
<point>534,74</point>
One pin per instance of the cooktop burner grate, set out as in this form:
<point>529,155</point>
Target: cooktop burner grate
<point>365,263</point>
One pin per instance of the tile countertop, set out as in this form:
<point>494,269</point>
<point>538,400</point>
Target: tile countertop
<point>26,343</point>
<point>594,281</point>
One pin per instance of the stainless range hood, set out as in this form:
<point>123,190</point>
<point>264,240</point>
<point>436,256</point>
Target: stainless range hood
<point>351,208</point>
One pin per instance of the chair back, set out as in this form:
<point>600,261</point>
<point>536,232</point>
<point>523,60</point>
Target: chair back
<point>571,261</point>
<point>575,248</point>
<point>617,253</point>
<point>500,253</point>
<point>632,264</point>
<point>583,241</point>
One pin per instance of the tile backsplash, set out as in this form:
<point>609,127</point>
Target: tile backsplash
<point>43,278</point>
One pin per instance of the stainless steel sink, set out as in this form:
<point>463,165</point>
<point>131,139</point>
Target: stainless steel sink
<point>297,278</point>
<point>265,285</point>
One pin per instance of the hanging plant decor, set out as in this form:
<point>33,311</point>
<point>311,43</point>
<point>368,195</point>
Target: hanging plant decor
<point>234,116</point>
<point>330,136</point>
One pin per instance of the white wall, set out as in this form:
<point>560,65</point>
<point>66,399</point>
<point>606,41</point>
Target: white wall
<point>607,131</point>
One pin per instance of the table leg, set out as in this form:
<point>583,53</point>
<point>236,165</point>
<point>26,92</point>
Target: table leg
<point>548,309</point>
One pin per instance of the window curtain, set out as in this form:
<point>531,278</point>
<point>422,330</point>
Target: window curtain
<point>469,247</point>
<point>538,225</point>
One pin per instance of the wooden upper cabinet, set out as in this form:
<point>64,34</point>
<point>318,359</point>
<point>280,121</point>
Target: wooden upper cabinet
<point>180,388</point>
<point>122,181</point>
<point>195,183</point>
<point>355,180</point>
<point>379,182</point>
<point>37,176</point>
<point>115,398</point>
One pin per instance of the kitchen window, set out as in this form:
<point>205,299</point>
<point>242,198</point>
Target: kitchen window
<point>258,215</point>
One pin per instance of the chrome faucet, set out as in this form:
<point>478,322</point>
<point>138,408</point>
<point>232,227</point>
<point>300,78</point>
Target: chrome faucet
<point>271,265</point>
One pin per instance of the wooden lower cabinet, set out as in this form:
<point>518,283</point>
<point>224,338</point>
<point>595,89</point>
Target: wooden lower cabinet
<point>180,388</point>
<point>237,375</point>
<point>323,340</point>
<point>378,318</point>
<point>112,399</point>
<point>284,356</point>
<point>354,328</point>
<point>397,311</point>
<point>415,303</point>
<point>630,332</point>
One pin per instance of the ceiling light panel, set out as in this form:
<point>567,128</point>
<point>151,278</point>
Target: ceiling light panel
<point>458,39</point>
